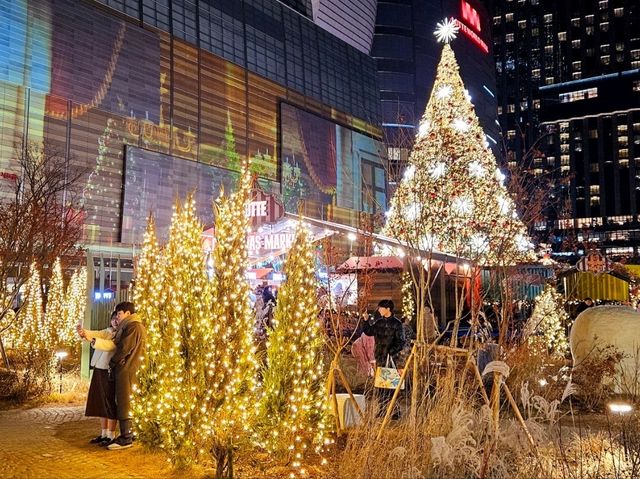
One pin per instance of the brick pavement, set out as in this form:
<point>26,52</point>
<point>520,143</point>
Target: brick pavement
<point>52,442</point>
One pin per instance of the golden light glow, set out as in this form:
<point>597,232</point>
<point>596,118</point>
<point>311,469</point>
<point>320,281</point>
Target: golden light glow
<point>293,415</point>
<point>450,201</point>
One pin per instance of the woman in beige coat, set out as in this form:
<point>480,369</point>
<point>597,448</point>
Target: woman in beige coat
<point>101,399</point>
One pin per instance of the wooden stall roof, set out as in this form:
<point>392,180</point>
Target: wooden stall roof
<point>379,263</point>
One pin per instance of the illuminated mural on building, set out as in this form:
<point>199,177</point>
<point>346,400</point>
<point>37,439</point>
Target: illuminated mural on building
<point>95,86</point>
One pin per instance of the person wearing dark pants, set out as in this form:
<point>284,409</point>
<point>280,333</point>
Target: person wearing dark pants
<point>130,343</point>
<point>388,332</point>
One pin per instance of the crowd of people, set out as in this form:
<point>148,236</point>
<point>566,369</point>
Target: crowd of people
<point>117,355</point>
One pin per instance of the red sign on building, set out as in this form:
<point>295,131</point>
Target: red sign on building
<point>470,15</point>
<point>264,208</point>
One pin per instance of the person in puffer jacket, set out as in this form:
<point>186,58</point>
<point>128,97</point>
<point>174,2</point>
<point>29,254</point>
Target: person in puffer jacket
<point>388,332</point>
<point>101,399</point>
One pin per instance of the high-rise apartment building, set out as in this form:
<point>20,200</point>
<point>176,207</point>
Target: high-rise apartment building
<point>568,80</point>
<point>407,54</point>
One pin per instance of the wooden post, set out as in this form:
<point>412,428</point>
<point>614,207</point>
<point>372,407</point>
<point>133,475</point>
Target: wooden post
<point>516,410</point>
<point>345,383</point>
<point>396,393</point>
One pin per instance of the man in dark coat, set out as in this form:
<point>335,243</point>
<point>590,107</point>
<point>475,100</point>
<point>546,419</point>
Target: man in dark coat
<point>130,343</point>
<point>389,335</point>
<point>388,332</point>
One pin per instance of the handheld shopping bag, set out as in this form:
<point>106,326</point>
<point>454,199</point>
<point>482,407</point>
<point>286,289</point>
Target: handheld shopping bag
<point>388,377</point>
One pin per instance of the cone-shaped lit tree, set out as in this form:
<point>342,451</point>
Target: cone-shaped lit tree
<point>452,196</point>
<point>34,333</point>
<point>176,304</point>
<point>76,297</point>
<point>156,391</point>
<point>148,292</point>
<point>549,320</point>
<point>61,333</point>
<point>231,375</point>
<point>293,404</point>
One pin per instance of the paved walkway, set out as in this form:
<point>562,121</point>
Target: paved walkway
<point>52,442</point>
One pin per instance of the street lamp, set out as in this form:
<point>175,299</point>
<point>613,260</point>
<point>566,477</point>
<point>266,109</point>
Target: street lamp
<point>351,237</point>
<point>60,355</point>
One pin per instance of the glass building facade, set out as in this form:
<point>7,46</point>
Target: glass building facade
<point>569,86</point>
<point>140,93</point>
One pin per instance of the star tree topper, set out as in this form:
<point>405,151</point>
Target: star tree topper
<point>446,30</point>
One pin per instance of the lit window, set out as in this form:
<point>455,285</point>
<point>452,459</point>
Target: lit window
<point>535,73</point>
<point>524,105</point>
<point>594,189</point>
<point>575,43</point>
<point>536,104</point>
<point>618,12</point>
<point>593,134</point>
<point>595,200</point>
<point>576,65</point>
<point>590,30</point>
<point>535,32</point>
<point>575,22</point>
<point>604,48</point>
<point>511,134</point>
<point>497,20</point>
<point>562,36</point>
<point>635,64</point>
<point>622,128</point>
<point>509,17</point>
<point>636,85</point>
<point>604,26</point>
<point>511,108</point>
<point>635,54</point>
<point>548,81</point>
<point>548,18</point>
<point>576,75</point>
<point>588,19</point>
<point>619,47</point>
<point>603,4</point>
<point>578,95</point>
<point>594,167</point>
<point>522,24</point>
<point>623,153</point>
<point>548,49</point>
<point>605,59</point>
<point>565,160</point>
<point>499,110</point>
<point>509,37</point>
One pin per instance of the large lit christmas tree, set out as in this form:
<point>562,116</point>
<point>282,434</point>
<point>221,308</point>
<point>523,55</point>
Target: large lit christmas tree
<point>231,375</point>
<point>452,197</point>
<point>292,407</point>
<point>549,321</point>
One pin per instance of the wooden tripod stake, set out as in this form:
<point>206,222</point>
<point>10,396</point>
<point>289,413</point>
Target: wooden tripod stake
<point>470,363</point>
<point>335,368</point>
